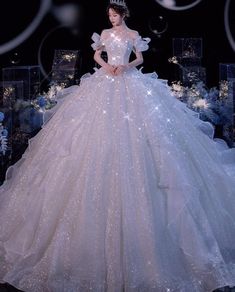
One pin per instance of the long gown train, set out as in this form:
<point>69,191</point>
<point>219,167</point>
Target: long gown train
<point>121,190</point>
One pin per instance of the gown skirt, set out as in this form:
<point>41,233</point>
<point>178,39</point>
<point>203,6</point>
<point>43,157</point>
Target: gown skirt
<point>123,189</point>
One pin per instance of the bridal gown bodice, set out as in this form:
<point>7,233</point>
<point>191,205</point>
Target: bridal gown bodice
<point>123,189</point>
<point>119,45</point>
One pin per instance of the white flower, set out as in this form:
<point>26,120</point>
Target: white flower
<point>201,103</point>
<point>173,60</point>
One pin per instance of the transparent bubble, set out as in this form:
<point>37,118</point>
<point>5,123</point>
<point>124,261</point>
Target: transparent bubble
<point>28,31</point>
<point>158,25</point>
<point>178,4</point>
<point>228,22</point>
<point>55,38</point>
<point>15,58</point>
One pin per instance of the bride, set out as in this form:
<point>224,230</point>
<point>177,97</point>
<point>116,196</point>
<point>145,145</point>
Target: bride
<point>121,190</point>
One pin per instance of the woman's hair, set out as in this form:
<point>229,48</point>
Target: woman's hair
<point>119,9</point>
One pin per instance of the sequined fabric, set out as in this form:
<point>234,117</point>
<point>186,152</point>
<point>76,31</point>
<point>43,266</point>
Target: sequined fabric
<point>121,190</point>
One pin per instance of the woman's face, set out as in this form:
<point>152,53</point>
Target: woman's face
<point>115,18</point>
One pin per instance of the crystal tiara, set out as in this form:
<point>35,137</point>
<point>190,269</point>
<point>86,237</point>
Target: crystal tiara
<point>118,2</point>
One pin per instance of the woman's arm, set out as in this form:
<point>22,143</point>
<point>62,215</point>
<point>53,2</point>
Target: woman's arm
<point>136,62</point>
<point>99,60</point>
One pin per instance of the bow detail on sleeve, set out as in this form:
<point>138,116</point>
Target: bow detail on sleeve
<point>141,44</point>
<point>97,41</point>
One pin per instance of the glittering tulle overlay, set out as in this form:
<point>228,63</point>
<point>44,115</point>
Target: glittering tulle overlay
<point>121,190</point>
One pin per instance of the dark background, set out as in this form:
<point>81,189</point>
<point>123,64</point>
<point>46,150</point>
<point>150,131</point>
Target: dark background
<point>205,20</point>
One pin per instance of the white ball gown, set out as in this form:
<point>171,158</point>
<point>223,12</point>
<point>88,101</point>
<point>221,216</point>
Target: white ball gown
<point>121,190</point>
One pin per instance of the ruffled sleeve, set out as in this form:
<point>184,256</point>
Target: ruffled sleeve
<point>141,44</point>
<point>98,42</point>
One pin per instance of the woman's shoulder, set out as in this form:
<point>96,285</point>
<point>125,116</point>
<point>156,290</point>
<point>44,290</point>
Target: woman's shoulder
<point>133,33</point>
<point>106,31</point>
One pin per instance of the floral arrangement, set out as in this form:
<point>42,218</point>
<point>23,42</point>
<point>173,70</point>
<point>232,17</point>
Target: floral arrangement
<point>29,114</point>
<point>42,102</point>
<point>212,104</point>
<point>48,99</point>
<point>69,57</point>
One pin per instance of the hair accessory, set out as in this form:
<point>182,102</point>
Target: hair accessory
<point>118,2</point>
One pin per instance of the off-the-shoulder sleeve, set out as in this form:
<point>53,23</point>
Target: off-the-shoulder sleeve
<point>97,41</point>
<point>141,44</point>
